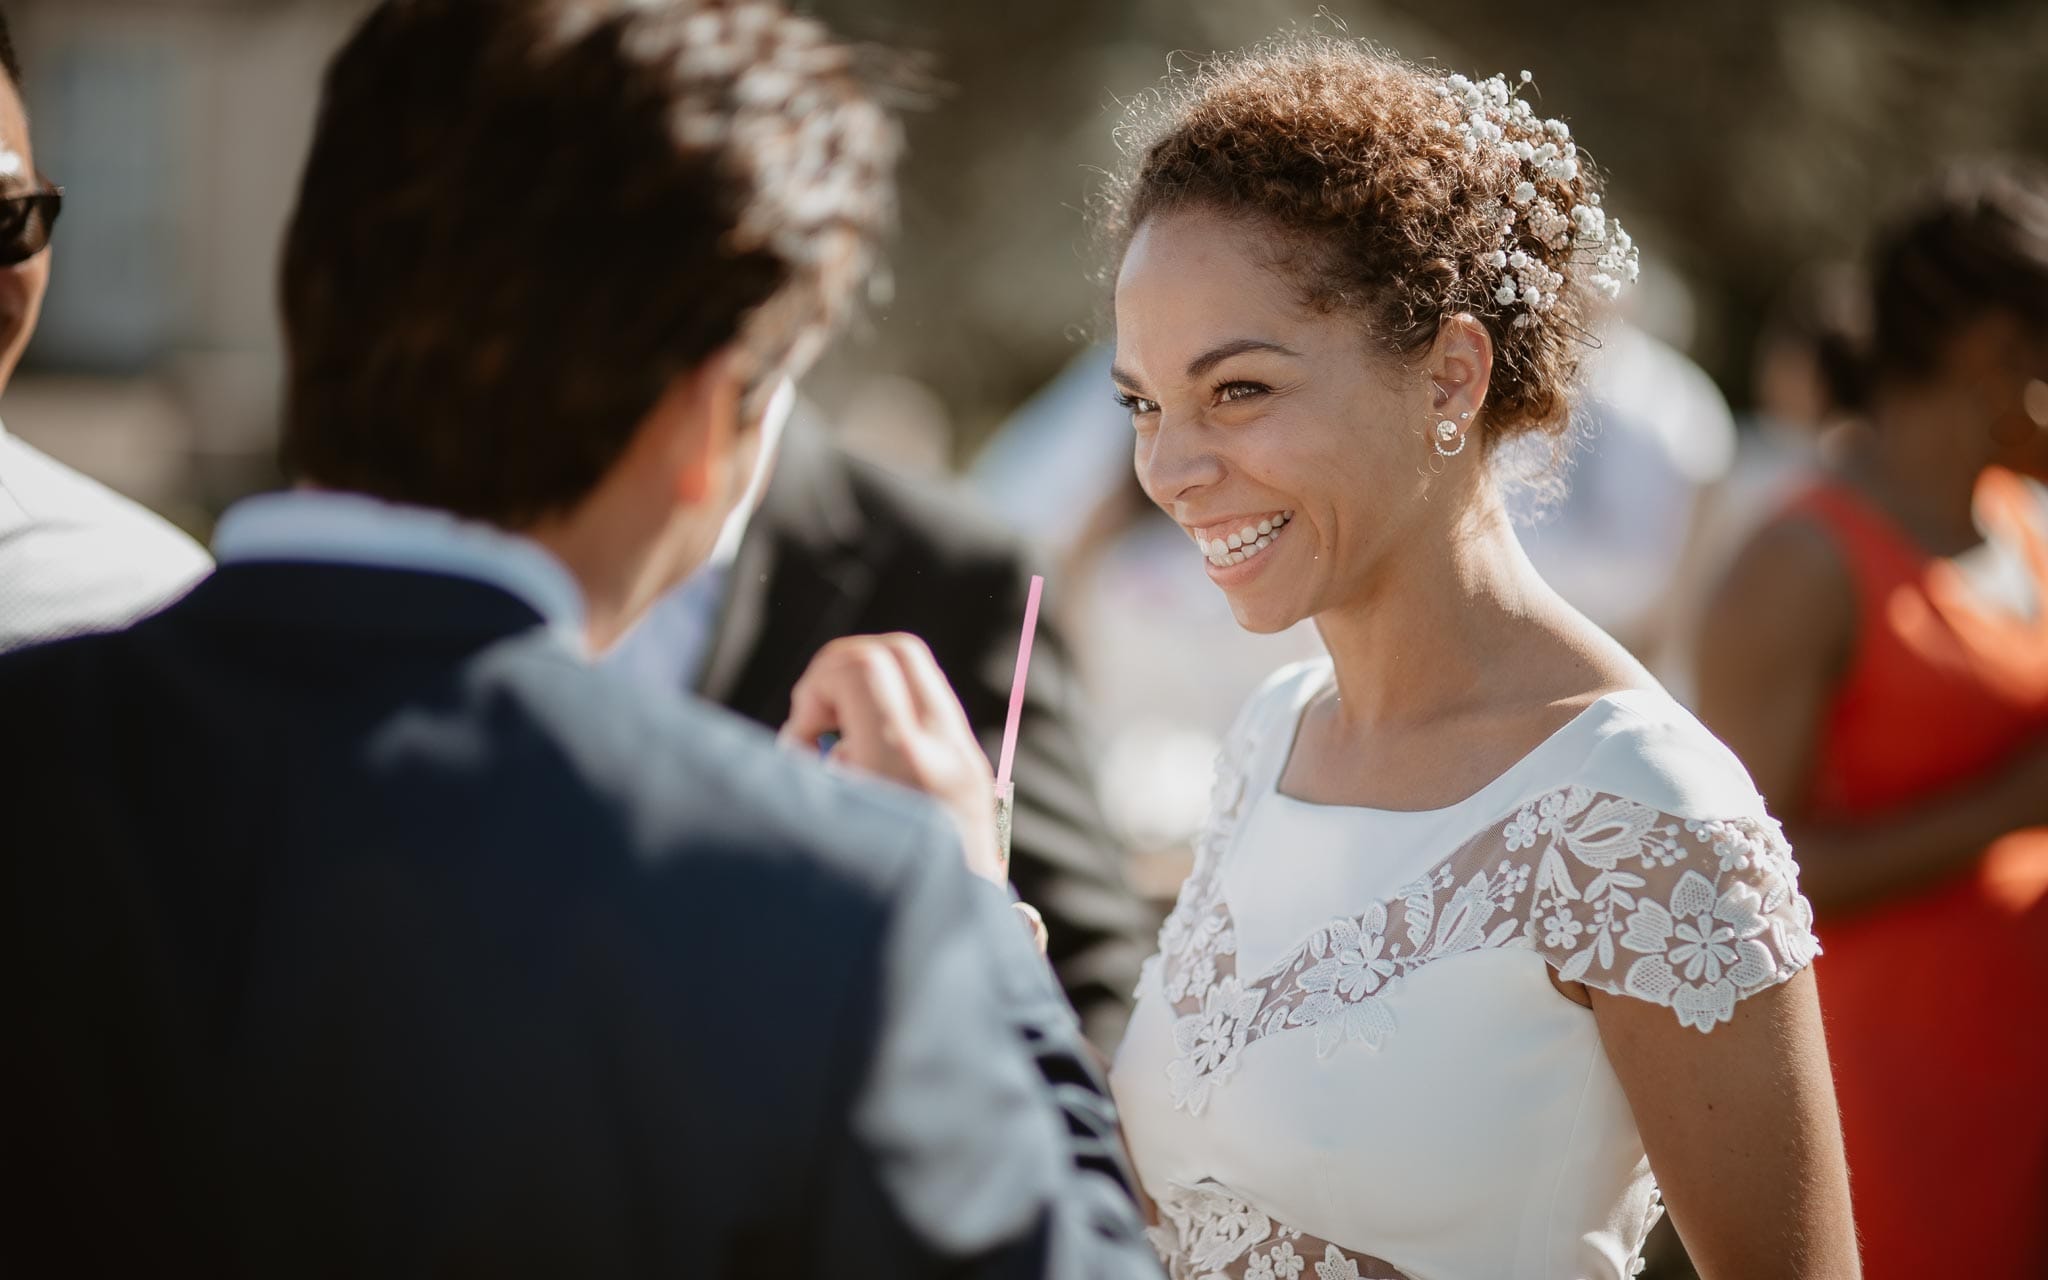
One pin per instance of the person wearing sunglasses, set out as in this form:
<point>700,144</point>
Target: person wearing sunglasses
<point>75,556</point>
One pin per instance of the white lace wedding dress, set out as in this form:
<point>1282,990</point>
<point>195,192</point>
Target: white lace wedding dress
<point>1348,1060</point>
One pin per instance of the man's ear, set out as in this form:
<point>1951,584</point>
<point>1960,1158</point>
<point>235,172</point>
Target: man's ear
<point>700,411</point>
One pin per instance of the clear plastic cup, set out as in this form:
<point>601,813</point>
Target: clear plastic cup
<point>1006,803</point>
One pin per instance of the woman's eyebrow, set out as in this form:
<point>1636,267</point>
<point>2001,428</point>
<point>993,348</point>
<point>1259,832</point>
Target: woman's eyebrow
<point>1216,355</point>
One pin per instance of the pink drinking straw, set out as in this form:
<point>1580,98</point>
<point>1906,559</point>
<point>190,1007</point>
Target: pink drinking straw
<point>1017,686</point>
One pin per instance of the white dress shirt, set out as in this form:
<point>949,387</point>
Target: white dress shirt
<point>348,528</point>
<point>77,557</point>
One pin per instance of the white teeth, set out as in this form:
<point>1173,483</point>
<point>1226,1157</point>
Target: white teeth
<point>1238,547</point>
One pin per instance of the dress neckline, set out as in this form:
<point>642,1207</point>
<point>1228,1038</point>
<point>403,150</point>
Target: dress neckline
<point>1292,737</point>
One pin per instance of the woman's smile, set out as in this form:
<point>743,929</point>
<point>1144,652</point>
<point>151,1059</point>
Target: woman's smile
<point>1234,542</point>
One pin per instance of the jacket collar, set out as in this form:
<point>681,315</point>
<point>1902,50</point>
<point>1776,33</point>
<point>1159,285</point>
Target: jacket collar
<point>809,542</point>
<point>313,526</point>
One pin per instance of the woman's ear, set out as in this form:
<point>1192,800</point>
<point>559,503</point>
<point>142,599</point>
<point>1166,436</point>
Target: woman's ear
<point>1460,366</point>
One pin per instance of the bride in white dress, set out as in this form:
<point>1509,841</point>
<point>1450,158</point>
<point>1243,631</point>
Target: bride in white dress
<point>1488,939</point>
<point>1490,949</point>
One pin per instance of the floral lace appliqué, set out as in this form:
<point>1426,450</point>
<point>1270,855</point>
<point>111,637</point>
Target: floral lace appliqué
<point>1196,945</point>
<point>1207,1234</point>
<point>1692,915</point>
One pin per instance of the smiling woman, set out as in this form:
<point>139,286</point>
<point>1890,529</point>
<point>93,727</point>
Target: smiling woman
<point>1331,208</point>
<point>1387,207</point>
<point>1505,880</point>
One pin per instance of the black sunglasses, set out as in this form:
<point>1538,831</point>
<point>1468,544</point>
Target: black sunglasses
<point>25,223</point>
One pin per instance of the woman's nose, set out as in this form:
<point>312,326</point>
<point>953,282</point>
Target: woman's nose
<point>1178,462</point>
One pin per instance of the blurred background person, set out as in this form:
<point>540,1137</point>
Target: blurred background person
<point>840,545</point>
<point>1806,381</point>
<point>1655,433</point>
<point>1807,373</point>
<point>1049,466</point>
<point>74,555</point>
<point>1879,658</point>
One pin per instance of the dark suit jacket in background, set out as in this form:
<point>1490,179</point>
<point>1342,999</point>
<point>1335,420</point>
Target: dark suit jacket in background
<point>840,547</point>
<point>353,927</point>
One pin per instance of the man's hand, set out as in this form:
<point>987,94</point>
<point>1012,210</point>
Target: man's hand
<point>897,718</point>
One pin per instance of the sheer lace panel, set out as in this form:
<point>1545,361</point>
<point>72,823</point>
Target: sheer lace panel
<point>1692,915</point>
<point>1205,1233</point>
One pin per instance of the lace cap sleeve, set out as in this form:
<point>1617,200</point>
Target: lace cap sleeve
<point>1688,913</point>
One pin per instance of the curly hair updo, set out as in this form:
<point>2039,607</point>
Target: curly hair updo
<point>1402,195</point>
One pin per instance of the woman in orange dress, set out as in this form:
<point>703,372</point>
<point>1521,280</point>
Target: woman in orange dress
<point>1878,656</point>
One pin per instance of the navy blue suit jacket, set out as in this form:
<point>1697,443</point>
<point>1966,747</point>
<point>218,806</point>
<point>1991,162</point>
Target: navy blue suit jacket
<point>353,927</point>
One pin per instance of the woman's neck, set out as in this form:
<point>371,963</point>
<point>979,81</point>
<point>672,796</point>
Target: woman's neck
<point>1917,462</point>
<point>1434,631</point>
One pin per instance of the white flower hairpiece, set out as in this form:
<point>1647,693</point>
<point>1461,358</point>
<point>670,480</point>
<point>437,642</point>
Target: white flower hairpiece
<point>1584,234</point>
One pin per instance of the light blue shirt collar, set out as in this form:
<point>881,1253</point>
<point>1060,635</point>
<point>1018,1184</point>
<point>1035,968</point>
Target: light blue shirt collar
<point>349,528</point>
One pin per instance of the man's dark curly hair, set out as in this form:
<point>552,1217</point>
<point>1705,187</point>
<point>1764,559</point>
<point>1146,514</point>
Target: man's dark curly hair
<point>522,220</point>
